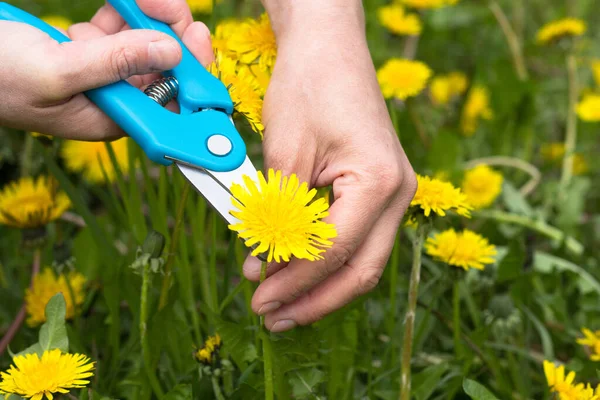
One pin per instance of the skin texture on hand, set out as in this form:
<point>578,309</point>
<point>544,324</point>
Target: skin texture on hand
<point>42,80</point>
<point>326,120</point>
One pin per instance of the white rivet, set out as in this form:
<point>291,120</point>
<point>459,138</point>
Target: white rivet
<point>219,145</point>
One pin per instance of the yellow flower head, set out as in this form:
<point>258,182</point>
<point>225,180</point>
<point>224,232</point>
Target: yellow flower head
<point>276,217</point>
<point>45,285</point>
<point>555,30</point>
<point>202,6</point>
<point>207,354</point>
<point>444,88</point>
<point>482,185</point>
<point>29,203</point>
<point>588,108</point>
<point>401,78</point>
<point>476,107</point>
<point>555,151</point>
<point>54,373</point>
<point>396,20</point>
<point>596,71</point>
<point>427,4</point>
<point>565,387</point>
<point>591,340</point>
<point>254,42</point>
<point>465,249</point>
<point>243,88</point>
<point>58,21</point>
<point>439,196</point>
<point>92,158</point>
<point>223,32</point>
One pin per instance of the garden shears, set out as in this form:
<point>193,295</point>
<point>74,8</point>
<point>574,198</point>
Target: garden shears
<point>201,140</point>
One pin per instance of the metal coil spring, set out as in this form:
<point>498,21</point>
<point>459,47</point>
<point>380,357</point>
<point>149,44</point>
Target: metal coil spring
<point>163,90</point>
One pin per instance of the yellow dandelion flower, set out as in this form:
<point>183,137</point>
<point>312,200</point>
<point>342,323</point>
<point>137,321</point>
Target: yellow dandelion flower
<point>482,185</point>
<point>223,32</point>
<point>276,218</point>
<point>202,6</point>
<point>244,89</point>
<point>45,285</point>
<point>29,203</point>
<point>427,4</point>
<point>444,88</point>
<point>588,108</point>
<point>398,21</point>
<point>565,387</point>
<point>439,197</point>
<point>254,42</point>
<point>38,134</point>
<point>58,21</point>
<point>401,78</point>
<point>465,249</point>
<point>591,340</point>
<point>555,30</point>
<point>207,354</point>
<point>554,152</point>
<point>91,158</point>
<point>33,377</point>
<point>477,107</point>
<point>596,71</point>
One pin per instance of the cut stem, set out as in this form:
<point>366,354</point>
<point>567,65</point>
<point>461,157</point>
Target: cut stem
<point>266,345</point>
<point>409,320</point>
<point>571,135</point>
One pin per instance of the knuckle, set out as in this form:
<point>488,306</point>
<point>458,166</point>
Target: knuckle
<point>410,183</point>
<point>368,279</point>
<point>389,177</point>
<point>338,255</point>
<point>123,63</point>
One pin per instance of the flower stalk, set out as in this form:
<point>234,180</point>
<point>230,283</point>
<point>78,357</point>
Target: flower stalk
<point>409,320</point>
<point>266,345</point>
<point>512,39</point>
<point>571,135</point>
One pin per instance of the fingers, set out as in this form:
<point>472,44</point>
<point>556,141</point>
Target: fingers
<point>88,64</point>
<point>173,12</point>
<point>196,38</point>
<point>108,20</point>
<point>252,266</point>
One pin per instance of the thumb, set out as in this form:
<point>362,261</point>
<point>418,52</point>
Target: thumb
<point>97,62</point>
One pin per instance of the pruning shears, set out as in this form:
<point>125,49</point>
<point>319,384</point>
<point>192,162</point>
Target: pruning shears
<point>201,140</point>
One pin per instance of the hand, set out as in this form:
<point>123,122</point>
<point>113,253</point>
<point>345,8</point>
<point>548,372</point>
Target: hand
<point>326,120</point>
<point>42,80</point>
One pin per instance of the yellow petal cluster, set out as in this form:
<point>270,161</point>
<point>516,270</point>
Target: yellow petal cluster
<point>92,159</point>
<point>439,196</point>
<point>54,373</point>
<point>254,43</point>
<point>596,71</point>
<point>58,21</point>
<point>243,88</point>
<point>555,30</point>
<point>477,107</point>
<point>223,32</point>
<point>565,386</point>
<point>395,18</point>
<point>279,218</point>
<point>32,203</point>
<point>427,4</point>
<point>554,152</point>
<point>401,79</point>
<point>465,249</point>
<point>482,185</point>
<point>588,108</point>
<point>45,285</point>
<point>444,88</point>
<point>202,6</point>
<point>592,341</point>
<point>208,353</point>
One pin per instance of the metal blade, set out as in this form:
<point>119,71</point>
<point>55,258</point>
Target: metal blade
<point>214,186</point>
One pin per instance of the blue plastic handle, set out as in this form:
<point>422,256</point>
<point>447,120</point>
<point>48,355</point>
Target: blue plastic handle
<point>163,134</point>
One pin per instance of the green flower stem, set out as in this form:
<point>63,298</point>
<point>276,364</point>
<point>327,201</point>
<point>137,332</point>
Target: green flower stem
<point>409,320</point>
<point>267,350</point>
<point>154,384</point>
<point>456,317</point>
<point>571,136</point>
<point>217,388</point>
<point>538,226</point>
<point>512,39</point>
<point>27,155</point>
<point>166,283</point>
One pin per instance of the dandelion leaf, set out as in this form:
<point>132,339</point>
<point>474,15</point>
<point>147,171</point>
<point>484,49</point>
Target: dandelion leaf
<point>426,381</point>
<point>305,381</point>
<point>477,391</point>
<point>180,392</point>
<point>237,342</point>
<point>53,334</point>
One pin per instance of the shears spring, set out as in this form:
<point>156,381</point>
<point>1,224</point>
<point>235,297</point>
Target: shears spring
<point>163,90</point>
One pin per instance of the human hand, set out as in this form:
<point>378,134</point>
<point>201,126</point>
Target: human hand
<point>326,120</point>
<point>42,81</point>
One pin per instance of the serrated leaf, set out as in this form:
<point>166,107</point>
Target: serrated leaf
<point>180,392</point>
<point>237,342</point>
<point>53,334</point>
<point>477,391</point>
<point>304,381</point>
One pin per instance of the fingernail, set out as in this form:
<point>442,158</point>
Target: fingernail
<point>162,54</point>
<point>283,325</point>
<point>252,266</point>
<point>269,307</point>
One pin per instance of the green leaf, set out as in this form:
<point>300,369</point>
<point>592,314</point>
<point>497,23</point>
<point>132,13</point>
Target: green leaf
<point>53,334</point>
<point>34,348</point>
<point>303,382</point>
<point>426,381</point>
<point>515,201</point>
<point>477,391</point>
<point>237,342</point>
<point>545,263</point>
<point>180,392</point>
<point>511,265</point>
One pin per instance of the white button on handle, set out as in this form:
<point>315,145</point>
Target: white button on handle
<point>219,145</point>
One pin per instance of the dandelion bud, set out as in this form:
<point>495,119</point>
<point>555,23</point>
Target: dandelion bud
<point>154,244</point>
